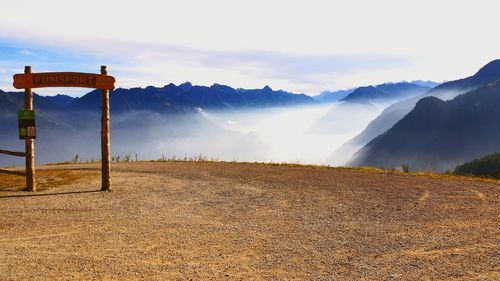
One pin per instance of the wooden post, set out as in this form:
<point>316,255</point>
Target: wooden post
<point>105,143</point>
<point>29,143</point>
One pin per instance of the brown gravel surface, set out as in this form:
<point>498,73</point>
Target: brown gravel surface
<point>224,221</point>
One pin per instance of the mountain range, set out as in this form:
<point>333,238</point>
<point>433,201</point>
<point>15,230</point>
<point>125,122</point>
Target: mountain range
<point>377,93</point>
<point>392,114</point>
<point>439,135</point>
<point>186,97</point>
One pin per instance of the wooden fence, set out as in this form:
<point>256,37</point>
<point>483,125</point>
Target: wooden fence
<point>13,153</point>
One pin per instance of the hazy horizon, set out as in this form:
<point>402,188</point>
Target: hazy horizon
<point>305,134</point>
<point>74,92</point>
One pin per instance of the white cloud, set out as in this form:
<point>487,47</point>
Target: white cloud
<point>26,53</point>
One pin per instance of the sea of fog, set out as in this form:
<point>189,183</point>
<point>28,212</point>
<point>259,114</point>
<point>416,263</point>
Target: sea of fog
<point>306,134</point>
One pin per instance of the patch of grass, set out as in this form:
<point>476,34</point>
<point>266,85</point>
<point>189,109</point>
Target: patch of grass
<point>44,179</point>
<point>125,158</point>
<point>199,158</point>
<point>76,159</point>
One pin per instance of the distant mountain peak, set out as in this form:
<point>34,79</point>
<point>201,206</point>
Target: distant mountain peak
<point>328,96</point>
<point>170,86</point>
<point>186,86</point>
<point>267,89</point>
<point>490,69</point>
<point>385,91</point>
<point>60,100</point>
<point>429,101</point>
<point>364,94</point>
<point>370,87</point>
<point>428,83</point>
<point>217,86</point>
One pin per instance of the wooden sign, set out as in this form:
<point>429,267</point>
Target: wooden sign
<point>64,79</point>
<point>27,128</point>
<point>26,121</point>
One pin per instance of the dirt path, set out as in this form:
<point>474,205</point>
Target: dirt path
<point>216,221</point>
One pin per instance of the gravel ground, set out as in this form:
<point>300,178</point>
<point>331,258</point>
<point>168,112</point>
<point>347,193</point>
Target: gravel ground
<point>224,221</point>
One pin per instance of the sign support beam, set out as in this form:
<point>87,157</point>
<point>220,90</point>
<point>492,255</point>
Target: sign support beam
<point>29,143</point>
<point>105,138</point>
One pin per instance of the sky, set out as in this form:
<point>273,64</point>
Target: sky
<point>299,46</point>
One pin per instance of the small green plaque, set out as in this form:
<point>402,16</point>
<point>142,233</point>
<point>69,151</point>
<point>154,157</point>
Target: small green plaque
<point>26,121</point>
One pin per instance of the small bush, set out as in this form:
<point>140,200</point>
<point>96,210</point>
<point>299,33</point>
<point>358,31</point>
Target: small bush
<point>406,168</point>
<point>127,157</point>
<point>76,158</point>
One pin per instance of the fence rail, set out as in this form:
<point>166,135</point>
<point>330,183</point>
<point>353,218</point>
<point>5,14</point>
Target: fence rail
<point>13,153</point>
<point>15,173</point>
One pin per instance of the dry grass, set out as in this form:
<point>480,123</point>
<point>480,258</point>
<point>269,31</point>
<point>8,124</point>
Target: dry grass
<point>427,174</point>
<point>45,179</point>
